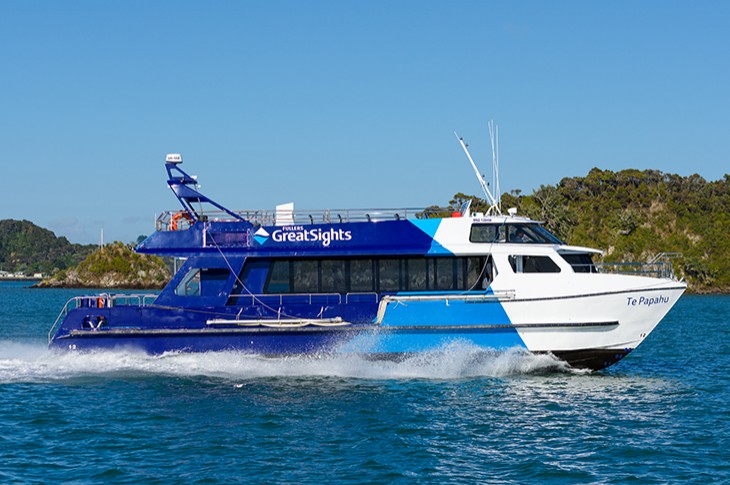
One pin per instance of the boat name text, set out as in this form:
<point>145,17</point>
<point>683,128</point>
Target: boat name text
<point>647,301</point>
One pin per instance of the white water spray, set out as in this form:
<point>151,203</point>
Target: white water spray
<point>21,362</point>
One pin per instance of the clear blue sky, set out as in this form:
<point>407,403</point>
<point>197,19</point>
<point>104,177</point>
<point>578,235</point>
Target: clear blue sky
<point>344,103</point>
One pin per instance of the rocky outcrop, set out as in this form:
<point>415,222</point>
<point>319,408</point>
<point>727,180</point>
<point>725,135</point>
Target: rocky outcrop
<point>115,265</point>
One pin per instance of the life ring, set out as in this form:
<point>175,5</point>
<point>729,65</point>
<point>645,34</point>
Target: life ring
<point>100,302</point>
<point>177,217</point>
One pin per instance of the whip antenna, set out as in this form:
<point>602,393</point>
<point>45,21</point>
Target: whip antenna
<point>493,204</point>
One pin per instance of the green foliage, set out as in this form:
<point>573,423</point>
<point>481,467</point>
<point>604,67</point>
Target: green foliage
<point>115,265</point>
<point>634,215</point>
<point>113,258</point>
<point>31,249</point>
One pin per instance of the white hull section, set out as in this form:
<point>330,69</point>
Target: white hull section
<point>634,305</point>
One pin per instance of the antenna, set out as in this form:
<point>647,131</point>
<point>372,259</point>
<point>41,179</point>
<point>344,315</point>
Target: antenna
<point>494,139</point>
<point>493,203</point>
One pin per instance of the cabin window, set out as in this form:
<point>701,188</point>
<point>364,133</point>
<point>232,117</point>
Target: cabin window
<point>389,275</point>
<point>190,284</point>
<point>419,276</point>
<point>305,276</point>
<point>278,277</point>
<point>445,274</point>
<point>362,276</point>
<point>203,282</point>
<point>333,275</point>
<point>521,234</point>
<point>580,262</point>
<point>479,273</point>
<point>365,275</point>
<point>533,264</point>
<point>531,233</point>
<point>487,233</point>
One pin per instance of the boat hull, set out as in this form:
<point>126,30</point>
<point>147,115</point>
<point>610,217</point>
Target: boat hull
<point>589,331</point>
<point>319,343</point>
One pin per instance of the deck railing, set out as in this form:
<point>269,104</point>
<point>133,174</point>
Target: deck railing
<point>660,266</point>
<point>102,300</point>
<point>281,299</point>
<point>300,217</point>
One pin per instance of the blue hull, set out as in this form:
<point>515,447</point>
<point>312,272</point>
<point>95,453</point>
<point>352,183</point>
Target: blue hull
<point>379,342</point>
<point>157,329</point>
<point>272,341</point>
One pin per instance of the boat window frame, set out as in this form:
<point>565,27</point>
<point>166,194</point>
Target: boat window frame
<point>535,263</point>
<point>585,266</point>
<point>463,274</point>
<point>500,234</point>
<point>532,233</point>
<point>184,288</point>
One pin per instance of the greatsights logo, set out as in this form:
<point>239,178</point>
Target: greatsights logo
<point>261,236</point>
<point>292,234</point>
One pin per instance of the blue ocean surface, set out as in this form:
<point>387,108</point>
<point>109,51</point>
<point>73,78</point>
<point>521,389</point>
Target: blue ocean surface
<point>459,415</point>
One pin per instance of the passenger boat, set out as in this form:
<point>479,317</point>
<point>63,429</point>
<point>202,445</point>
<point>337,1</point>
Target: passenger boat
<point>384,283</point>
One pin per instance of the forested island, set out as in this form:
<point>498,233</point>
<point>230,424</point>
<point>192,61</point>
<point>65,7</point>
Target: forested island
<point>632,215</point>
<point>29,249</point>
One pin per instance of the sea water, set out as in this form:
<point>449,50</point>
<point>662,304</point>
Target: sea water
<point>457,415</point>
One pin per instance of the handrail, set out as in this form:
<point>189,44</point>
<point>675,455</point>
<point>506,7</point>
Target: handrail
<point>301,217</point>
<point>281,296</point>
<point>62,315</point>
<point>664,257</point>
<point>656,269</point>
<point>499,295</point>
<point>102,300</point>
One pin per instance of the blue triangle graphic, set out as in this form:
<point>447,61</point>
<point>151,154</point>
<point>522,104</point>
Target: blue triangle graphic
<point>429,226</point>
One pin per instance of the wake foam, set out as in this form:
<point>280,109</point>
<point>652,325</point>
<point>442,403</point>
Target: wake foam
<point>20,362</point>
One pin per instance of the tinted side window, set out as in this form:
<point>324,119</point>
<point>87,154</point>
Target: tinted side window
<point>190,284</point>
<point>418,274</point>
<point>389,275</point>
<point>278,277</point>
<point>479,273</point>
<point>581,263</point>
<point>333,275</point>
<point>533,264</point>
<point>445,274</point>
<point>203,282</point>
<point>305,276</point>
<point>487,233</point>
<point>361,275</point>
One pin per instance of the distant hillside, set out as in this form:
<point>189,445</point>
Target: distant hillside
<point>115,265</point>
<point>633,215</point>
<point>31,249</point>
